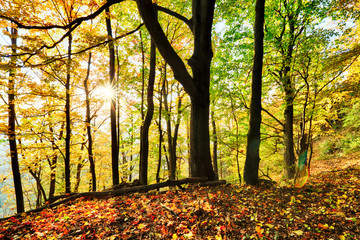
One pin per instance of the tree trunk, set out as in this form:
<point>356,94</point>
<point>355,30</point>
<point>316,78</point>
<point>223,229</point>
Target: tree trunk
<point>253,139</point>
<point>114,144</point>
<point>173,159</point>
<point>237,143</point>
<point>144,140</point>
<point>197,85</point>
<point>53,159</point>
<point>200,159</point>
<point>68,120</point>
<point>11,129</point>
<point>161,139</point>
<point>88,128</point>
<point>215,147</point>
<point>289,152</point>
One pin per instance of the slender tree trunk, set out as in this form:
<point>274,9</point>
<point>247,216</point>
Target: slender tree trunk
<point>88,127</point>
<point>12,127</point>
<point>215,147</point>
<point>237,143</point>
<point>144,141</point>
<point>68,120</point>
<point>114,144</point>
<point>172,155</point>
<point>53,159</point>
<point>289,152</point>
<point>253,139</point>
<point>161,139</point>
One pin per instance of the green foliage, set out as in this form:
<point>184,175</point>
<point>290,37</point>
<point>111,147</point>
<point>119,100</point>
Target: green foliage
<point>352,117</point>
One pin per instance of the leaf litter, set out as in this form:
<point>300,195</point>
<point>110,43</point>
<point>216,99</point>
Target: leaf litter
<point>327,207</point>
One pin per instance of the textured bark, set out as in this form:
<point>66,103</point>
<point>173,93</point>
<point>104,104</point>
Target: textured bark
<point>67,117</point>
<point>11,129</point>
<point>289,152</point>
<point>253,139</point>
<point>114,144</point>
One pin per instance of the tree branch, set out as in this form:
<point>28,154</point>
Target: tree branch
<point>188,22</point>
<point>181,74</point>
<point>272,116</point>
<point>60,57</point>
<point>77,21</point>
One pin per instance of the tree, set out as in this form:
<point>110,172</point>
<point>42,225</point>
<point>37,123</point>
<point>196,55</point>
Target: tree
<point>11,126</point>
<point>253,139</point>
<point>114,143</point>
<point>88,128</point>
<point>293,22</point>
<point>144,140</point>
<point>197,85</point>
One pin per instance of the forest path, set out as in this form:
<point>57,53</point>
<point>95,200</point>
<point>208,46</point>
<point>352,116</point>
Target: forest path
<point>333,163</point>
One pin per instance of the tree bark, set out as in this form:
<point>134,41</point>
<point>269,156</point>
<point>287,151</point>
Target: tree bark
<point>289,152</point>
<point>114,144</point>
<point>215,147</point>
<point>144,140</point>
<point>253,139</point>
<point>68,120</point>
<point>161,139</point>
<point>88,128</point>
<point>197,85</point>
<point>12,127</point>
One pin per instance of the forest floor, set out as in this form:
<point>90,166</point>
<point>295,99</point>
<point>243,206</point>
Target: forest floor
<point>327,207</point>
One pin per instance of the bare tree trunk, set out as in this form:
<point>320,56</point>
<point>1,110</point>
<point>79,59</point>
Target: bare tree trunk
<point>68,120</point>
<point>80,165</point>
<point>11,128</point>
<point>237,144</point>
<point>215,146</point>
<point>88,128</point>
<point>114,144</point>
<point>161,139</point>
<point>53,159</point>
<point>144,140</point>
<point>253,139</point>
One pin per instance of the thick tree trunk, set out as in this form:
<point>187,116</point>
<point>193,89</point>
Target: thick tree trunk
<point>144,140</point>
<point>253,139</point>
<point>200,159</point>
<point>114,144</point>
<point>11,129</point>
<point>197,85</point>
<point>68,120</point>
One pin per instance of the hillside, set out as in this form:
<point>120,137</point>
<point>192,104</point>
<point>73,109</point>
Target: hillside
<point>327,207</point>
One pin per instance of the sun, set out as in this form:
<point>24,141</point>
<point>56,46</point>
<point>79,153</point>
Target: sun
<point>106,92</point>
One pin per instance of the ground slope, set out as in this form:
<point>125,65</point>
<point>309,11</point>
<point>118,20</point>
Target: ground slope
<point>327,207</point>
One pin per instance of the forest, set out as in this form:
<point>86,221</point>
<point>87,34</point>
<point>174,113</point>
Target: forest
<point>214,114</point>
